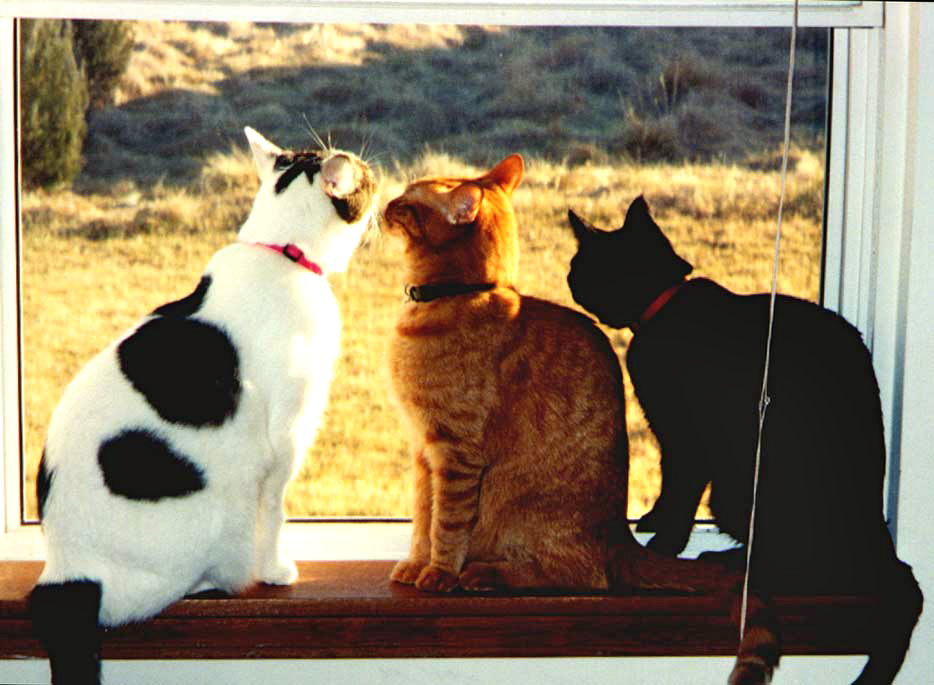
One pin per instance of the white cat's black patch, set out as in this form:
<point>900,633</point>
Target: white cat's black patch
<point>43,483</point>
<point>296,164</point>
<point>188,370</point>
<point>352,207</point>
<point>188,305</point>
<point>141,466</point>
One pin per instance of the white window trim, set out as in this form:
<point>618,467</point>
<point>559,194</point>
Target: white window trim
<point>839,13</point>
<point>880,235</point>
<point>9,296</point>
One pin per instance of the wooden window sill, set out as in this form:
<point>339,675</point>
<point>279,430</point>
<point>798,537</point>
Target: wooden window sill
<point>349,609</point>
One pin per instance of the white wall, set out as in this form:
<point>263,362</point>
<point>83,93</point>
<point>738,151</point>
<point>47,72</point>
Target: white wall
<point>916,500</point>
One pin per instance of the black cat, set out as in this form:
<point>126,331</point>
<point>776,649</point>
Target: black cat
<point>696,361</point>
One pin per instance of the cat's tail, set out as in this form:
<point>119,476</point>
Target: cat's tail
<point>899,610</point>
<point>760,647</point>
<point>636,567</point>
<point>633,566</point>
<point>65,618</point>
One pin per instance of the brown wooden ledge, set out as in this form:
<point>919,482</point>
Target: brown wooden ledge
<point>350,609</point>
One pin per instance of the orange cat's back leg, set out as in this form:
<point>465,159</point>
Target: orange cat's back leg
<point>530,574</point>
<point>526,559</point>
<point>487,576</point>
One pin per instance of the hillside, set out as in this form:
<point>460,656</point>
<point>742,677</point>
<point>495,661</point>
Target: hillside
<point>574,94</point>
<point>690,118</point>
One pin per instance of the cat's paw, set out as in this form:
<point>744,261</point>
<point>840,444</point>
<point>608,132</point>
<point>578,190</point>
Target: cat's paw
<point>407,571</point>
<point>666,545</point>
<point>649,523</point>
<point>281,573</point>
<point>480,576</point>
<point>732,559</point>
<point>435,579</point>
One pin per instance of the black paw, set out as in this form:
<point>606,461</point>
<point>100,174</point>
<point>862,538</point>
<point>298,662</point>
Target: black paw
<point>648,523</point>
<point>666,546</point>
<point>733,559</point>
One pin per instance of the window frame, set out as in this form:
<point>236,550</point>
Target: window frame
<point>19,538</point>
<point>828,13</point>
<point>875,213</point>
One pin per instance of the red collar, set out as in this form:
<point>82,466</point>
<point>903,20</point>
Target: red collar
<point>656,305</point>
<point>293,253</point>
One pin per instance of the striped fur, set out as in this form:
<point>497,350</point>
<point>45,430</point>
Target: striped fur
<point>514,405</point>
<point>516,418</point>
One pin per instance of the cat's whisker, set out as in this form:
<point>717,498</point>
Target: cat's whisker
<point>365,149</point>
<point>374,157</point>
<point>316,137</point>
<point>372,234</point>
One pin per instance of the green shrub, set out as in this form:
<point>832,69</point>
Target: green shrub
<point>102,49</point>
<point>54,98</point>
<point>647,140</point>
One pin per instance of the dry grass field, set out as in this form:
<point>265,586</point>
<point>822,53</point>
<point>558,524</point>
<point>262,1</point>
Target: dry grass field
<point>167,181</point>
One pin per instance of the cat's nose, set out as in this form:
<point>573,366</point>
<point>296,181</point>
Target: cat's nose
<point>337,174</point>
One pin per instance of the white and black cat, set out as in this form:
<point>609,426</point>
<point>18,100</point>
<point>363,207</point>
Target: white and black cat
<point>168,455</point>
<point>696,362</point>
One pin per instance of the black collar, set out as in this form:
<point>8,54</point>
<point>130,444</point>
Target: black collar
<point>427,293</point>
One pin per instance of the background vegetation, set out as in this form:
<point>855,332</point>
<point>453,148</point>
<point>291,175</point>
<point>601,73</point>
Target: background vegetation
<point>690,118</point>
<point>54,97</point>
<point>67,66</point>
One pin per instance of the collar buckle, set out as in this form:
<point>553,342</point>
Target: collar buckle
<point>293,252</point>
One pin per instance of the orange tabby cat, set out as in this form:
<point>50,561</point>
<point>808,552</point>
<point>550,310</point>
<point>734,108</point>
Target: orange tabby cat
<point>516,414</point>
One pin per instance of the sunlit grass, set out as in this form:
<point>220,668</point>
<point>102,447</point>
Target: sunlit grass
<point>93,265</point>
<point>168,180</point>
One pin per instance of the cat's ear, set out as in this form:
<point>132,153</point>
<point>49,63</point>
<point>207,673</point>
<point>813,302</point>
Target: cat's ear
<point>583,229</point>
<point>264,151</point>
<point>638,212</point>
<point>462,204</point>
<point>639,222</point>
<point>508,173</point>
<point>639,219</point>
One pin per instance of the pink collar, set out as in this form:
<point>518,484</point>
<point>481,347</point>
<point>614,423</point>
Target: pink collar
<point>293,253</point>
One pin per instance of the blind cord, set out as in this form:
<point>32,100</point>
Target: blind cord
<point>763,395</point>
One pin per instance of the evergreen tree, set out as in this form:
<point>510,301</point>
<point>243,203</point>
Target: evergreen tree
<point>54,98</point>
<point>102,49</point>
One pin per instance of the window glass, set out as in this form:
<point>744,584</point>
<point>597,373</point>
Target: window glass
<point>691,118</point>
